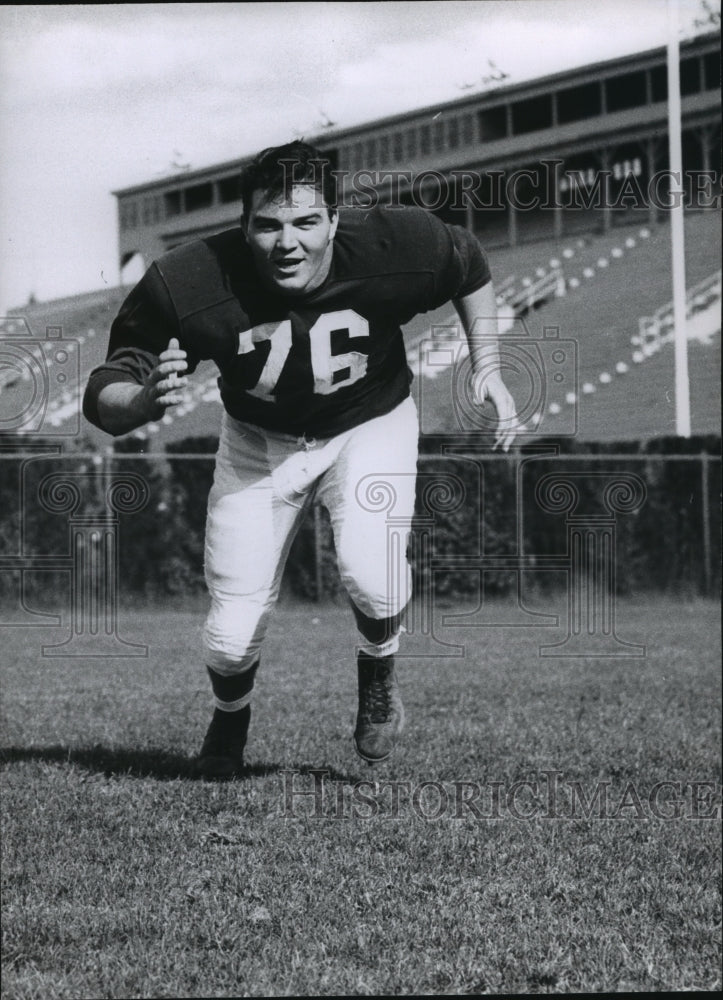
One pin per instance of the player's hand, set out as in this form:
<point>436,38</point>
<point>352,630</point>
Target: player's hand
<point>489,386</point>
<point>163,386</point>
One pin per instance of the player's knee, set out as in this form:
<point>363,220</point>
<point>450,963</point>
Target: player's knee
<point>379,598</point>
<point>233,636</point>
<point>230,661</point>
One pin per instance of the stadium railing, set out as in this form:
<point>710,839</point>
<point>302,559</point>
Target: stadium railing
<point>656,330</point>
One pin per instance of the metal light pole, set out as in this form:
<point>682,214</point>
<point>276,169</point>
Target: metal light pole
<point>677,236</point>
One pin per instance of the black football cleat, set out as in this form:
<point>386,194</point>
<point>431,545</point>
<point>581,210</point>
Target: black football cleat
<point>380,718</point>
<point>222,753</point>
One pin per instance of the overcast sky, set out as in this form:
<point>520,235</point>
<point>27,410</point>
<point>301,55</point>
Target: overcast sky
<point>97,97</point>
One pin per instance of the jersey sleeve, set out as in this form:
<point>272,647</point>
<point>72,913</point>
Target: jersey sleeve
<point>464,267</point>
<point>140,332</point>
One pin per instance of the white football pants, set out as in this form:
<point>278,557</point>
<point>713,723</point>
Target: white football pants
<point>263,483</point>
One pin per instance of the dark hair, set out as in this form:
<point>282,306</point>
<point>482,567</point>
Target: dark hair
<point>275,170</point>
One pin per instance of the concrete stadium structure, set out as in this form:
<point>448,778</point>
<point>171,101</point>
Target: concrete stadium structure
<point>563,176</point>
<point>579,151</point>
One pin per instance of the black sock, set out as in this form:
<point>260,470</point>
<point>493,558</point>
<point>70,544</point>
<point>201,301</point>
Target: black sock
<point>233,688</point>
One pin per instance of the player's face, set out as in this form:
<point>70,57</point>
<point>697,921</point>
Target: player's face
<point>291,240</point>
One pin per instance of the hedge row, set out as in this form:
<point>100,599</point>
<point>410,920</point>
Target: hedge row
<point>468,506</point>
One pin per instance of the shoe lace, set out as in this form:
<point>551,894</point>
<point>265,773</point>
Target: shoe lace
<point>377,700</point>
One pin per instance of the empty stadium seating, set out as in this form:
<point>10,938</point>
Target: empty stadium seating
<point>610,282</point>
<point>598,289</point>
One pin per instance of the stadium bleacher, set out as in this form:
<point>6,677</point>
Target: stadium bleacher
<point>41,389</point>
<point>608,283</point>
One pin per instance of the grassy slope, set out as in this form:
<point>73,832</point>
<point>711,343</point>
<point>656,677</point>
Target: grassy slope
<point>122,877</point>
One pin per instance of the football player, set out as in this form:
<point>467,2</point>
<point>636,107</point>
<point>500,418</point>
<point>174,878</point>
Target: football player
<point>301,308</point>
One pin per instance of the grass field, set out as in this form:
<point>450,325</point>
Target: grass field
<point>124,877</point>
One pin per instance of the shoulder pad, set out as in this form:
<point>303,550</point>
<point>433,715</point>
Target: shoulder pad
<point>197,274</point>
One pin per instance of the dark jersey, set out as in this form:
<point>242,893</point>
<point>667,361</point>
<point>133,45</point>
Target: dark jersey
<point>316,364</point>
